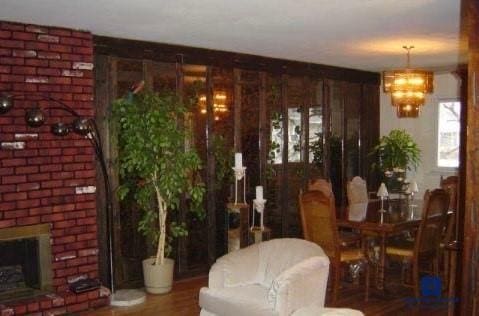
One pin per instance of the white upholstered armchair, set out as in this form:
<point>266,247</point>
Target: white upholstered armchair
<point>277,277</point>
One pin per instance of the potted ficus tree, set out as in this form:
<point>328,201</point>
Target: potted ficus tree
<point>397,153</point>
<point>157,171</point>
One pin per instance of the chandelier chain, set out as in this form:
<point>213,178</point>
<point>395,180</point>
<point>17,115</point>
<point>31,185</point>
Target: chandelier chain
<point>408,48</point>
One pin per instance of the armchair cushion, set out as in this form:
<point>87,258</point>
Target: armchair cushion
<point>277,255</point>
<point>248,300</point>
<point>300,285</point>
<point>240,267</point>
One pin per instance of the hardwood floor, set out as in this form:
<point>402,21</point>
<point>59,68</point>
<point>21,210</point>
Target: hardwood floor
<point>183,300</point>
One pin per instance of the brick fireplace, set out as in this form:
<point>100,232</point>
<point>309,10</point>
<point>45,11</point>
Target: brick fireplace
<point>46,179</point>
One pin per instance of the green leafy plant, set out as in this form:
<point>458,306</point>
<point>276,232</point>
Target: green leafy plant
<point>222,153</point>
<point>317,150</point>
<point>158,169</point>
<point>397,152</point>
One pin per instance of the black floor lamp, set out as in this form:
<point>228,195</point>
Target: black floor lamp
<point>86,127</point>
<point>82,126</point>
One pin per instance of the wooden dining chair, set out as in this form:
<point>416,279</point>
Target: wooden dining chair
<point>357,194</point>
<point>318,219</point>
<point>450,185</point>
<point>347,238</point>
<point>322,185</point>
<point>426,245</point>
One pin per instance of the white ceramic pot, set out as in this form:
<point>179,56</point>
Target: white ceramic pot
<point>158,278</point>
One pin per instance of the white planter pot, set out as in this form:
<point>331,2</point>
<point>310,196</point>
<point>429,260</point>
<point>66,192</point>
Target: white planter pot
<point>158,278</point>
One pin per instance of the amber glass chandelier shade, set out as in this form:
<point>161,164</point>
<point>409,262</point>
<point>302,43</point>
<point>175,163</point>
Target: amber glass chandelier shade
<point>408,88</point>
<point>407,110</point>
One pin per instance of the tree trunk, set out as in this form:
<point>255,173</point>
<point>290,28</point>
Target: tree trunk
<point>162,212</point>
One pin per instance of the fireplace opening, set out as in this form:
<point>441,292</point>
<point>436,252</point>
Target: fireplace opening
<point>25,262</point>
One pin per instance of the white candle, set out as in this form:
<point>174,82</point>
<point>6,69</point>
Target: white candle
<point>259,193</point>
<point>238,160</point>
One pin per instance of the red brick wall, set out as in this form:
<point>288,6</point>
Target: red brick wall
<point>42,176</point>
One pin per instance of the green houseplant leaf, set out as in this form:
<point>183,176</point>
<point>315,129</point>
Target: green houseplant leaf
<point>397,150</point>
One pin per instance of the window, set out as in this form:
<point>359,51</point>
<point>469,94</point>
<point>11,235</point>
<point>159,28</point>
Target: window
<point>448,139</point>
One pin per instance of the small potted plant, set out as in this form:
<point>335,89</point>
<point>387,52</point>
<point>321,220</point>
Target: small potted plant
<point>397,153</point>
<point>158,173</point>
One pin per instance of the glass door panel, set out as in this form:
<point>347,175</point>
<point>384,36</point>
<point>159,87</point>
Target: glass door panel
<point>335,140</point>
<point>352,103</point>
<point>316,132</point>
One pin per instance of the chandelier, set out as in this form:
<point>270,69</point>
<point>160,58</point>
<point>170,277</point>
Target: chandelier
<point>219,104</point>
<point>408,87</point>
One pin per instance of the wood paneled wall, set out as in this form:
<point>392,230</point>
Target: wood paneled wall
<point>258,89</point>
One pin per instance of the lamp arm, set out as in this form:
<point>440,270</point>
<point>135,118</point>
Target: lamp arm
<point>96,141</point>
<point>64,106</point>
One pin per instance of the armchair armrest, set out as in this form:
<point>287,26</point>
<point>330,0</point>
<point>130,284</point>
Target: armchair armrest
<point>235,269</point>
<point>301,285</point>
<point>216,277</point>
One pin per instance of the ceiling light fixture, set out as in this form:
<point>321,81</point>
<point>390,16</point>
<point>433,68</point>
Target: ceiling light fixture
<point>408,87</point>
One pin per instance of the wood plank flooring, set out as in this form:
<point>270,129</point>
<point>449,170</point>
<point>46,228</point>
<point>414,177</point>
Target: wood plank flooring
<point>183,300</point>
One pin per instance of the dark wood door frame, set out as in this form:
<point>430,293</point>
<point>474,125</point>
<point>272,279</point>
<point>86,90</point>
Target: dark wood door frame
<point>467,270</point>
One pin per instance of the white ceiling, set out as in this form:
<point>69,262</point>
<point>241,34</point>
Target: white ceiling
<point>361,34</point>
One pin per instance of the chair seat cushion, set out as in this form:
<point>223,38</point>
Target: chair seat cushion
<point>349,238</point>
<point>351,254</point>
<point>248,300</point>
<point>400,247</point>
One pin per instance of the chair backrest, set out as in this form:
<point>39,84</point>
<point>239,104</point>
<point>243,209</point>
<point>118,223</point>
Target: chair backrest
<point>318,219</point>
<point>450,185</point>
<point>434,216</point>
<point>357,191</point>
<point>273,259</point>
<point>322,185</point>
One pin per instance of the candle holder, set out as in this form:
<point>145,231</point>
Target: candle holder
<point>258,206</point>
<point>240,173</point>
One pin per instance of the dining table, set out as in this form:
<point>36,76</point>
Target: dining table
<point>397,217</point>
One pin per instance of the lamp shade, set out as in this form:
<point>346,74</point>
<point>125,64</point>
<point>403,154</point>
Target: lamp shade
<point>60,129</point>
<point>382,191</point>
<point>34,117</point>
<point>81,126</point>
<point>413,187</point>
<point>6,103</point>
